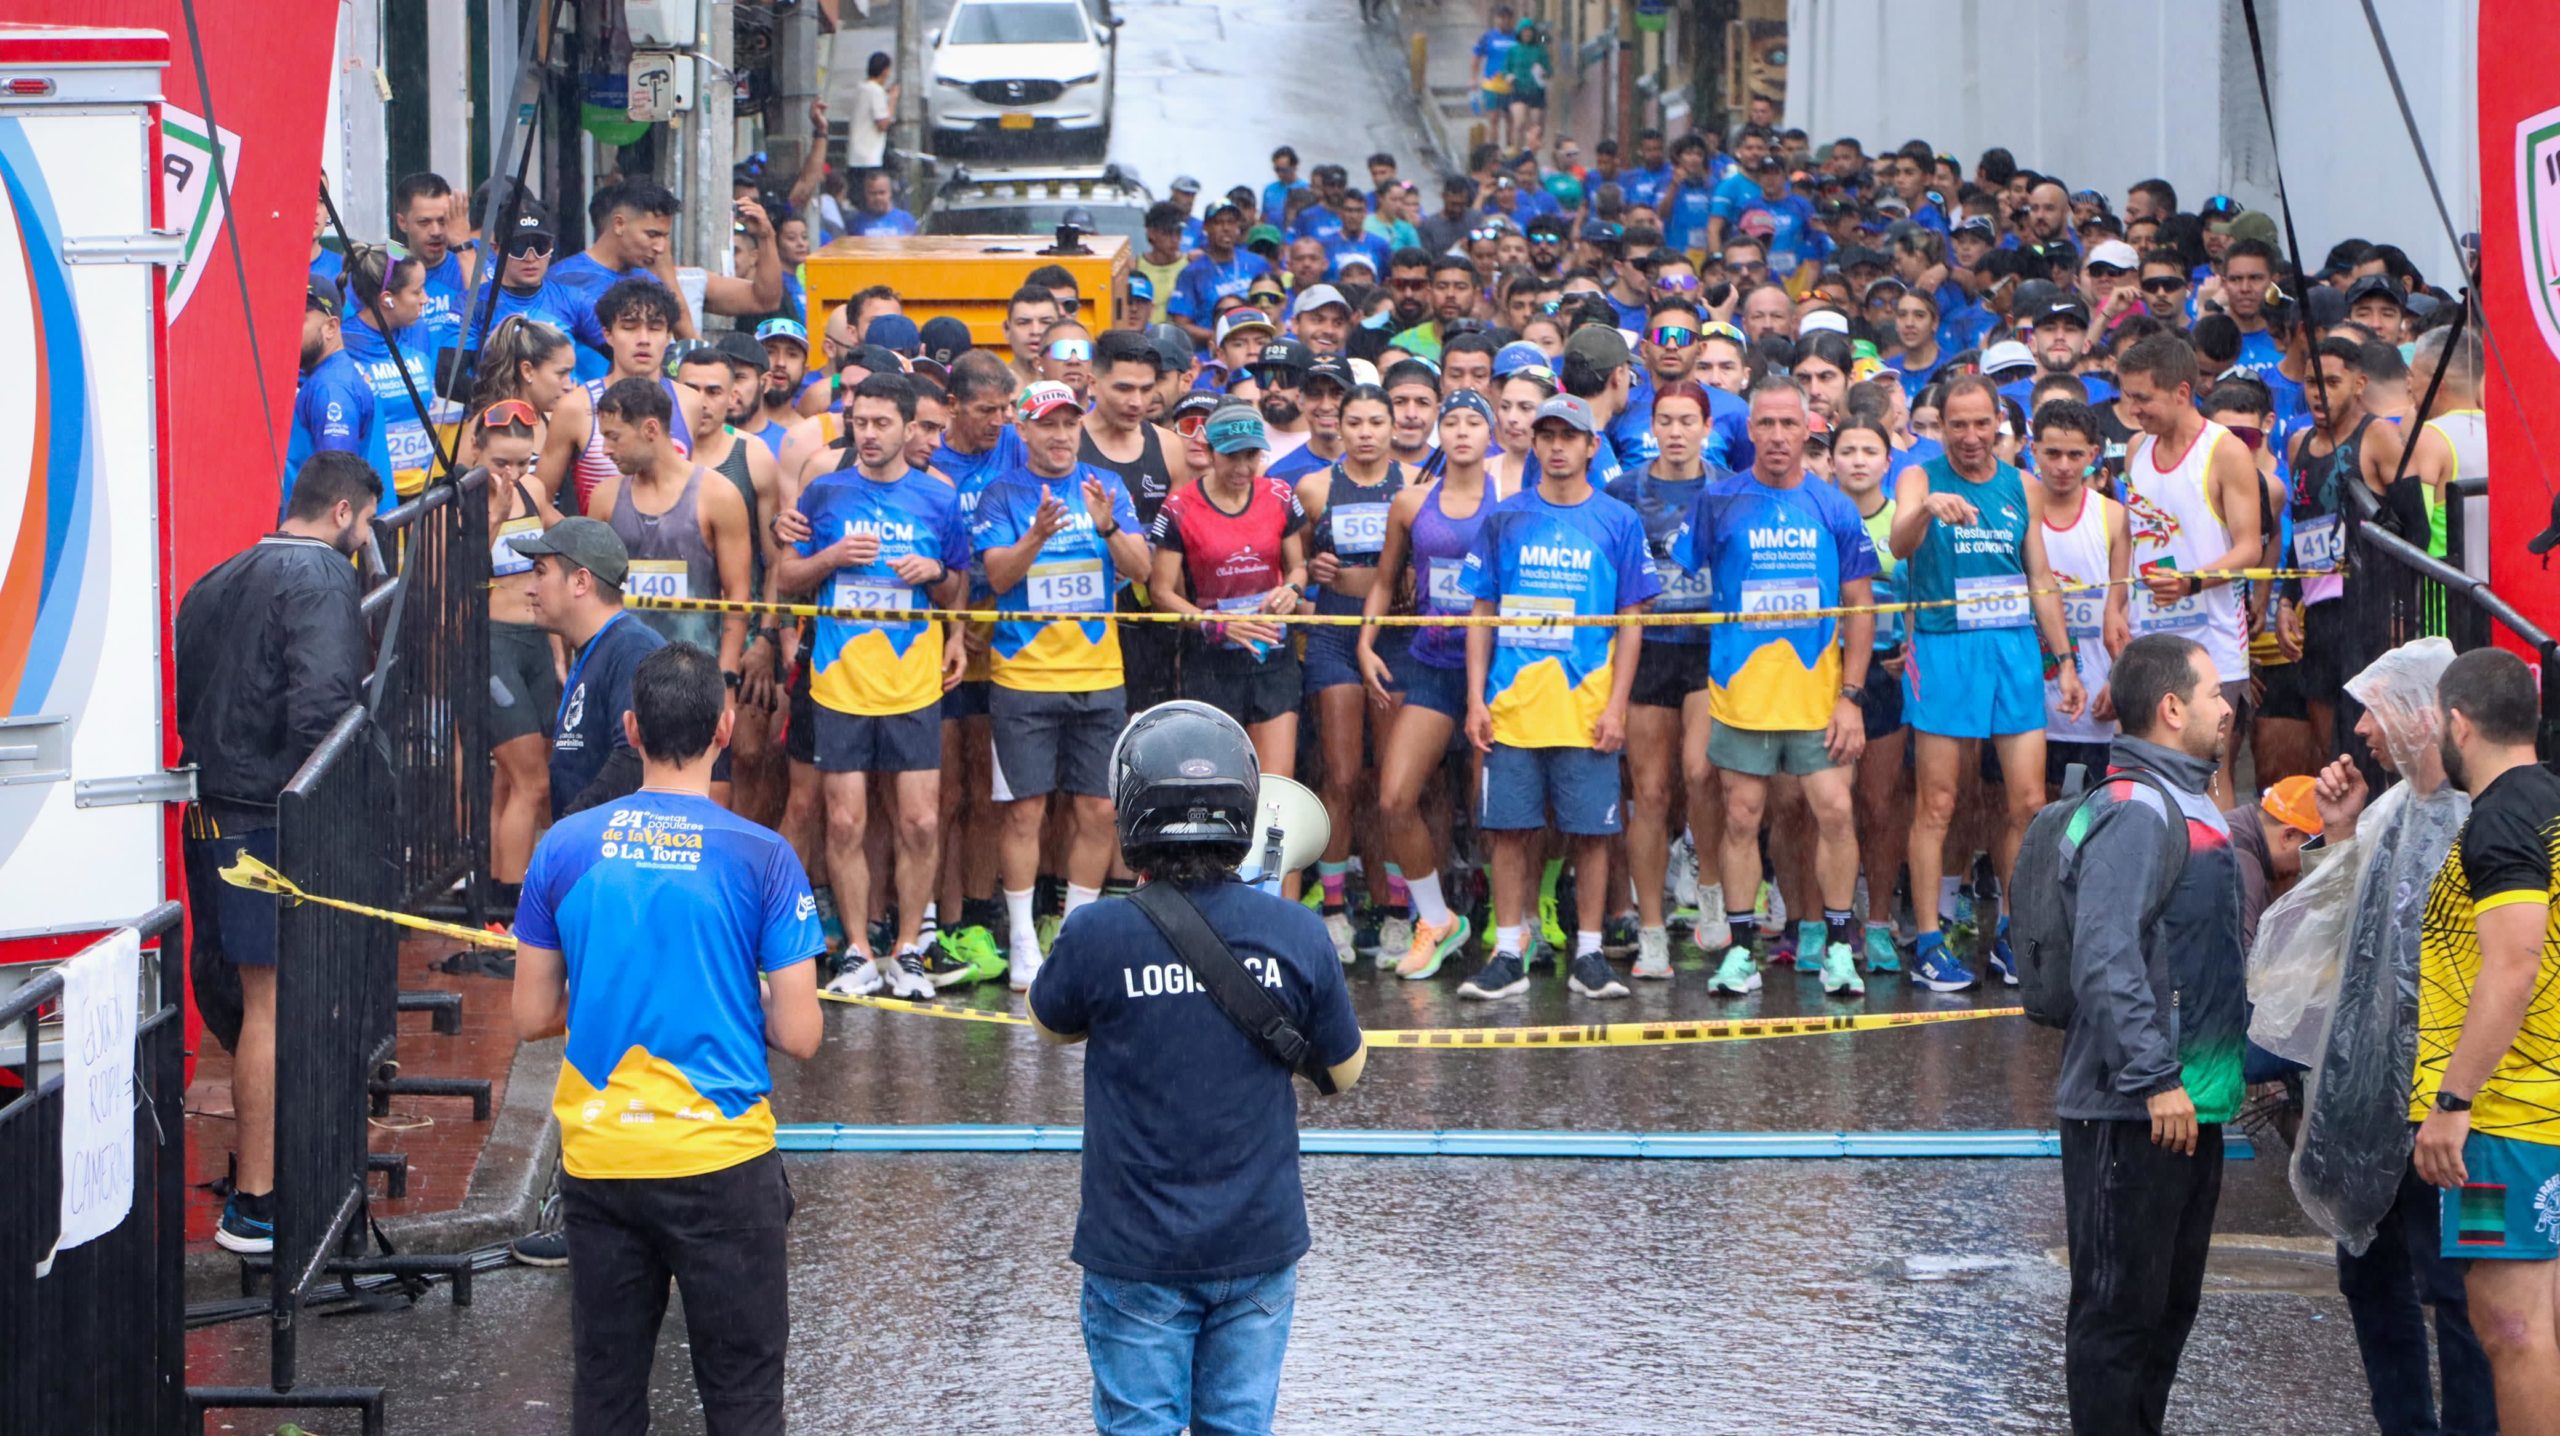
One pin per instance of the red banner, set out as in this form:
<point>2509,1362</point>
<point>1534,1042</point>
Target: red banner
<point>270,82</point>
<point>2520,290</point>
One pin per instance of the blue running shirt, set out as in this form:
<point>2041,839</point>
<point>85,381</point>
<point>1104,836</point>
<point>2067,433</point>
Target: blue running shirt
<point>1533,559</point>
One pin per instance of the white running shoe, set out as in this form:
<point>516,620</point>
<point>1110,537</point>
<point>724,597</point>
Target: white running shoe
<point>905,977</point>
<point>1653,954</point>
<point>1395,939</point>
<point>1025,966</point>
<point>1337,925</point>
<point>858,979</point>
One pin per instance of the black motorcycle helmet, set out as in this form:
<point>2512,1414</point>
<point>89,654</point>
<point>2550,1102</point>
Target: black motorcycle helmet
<point>1182,773</point>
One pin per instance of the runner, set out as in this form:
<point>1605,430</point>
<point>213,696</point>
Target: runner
<point>1433,529</point>
<point>702,386</point>
<point>1316,396</point>
<point>422,216</point>
<point>524,359</point>
<point>333,407</point>
<point>1066,357</point>
<point>639,317</point>
<point>1413,397</point>
<point>1518,395</point>
<point>883,536</point>
<point>1346,505</point>
<point>2198,511</point>
<point>1027,317</point>
<point>524,679</point>
<point>1547,706</point>
<point>2344,445</point>
<point>382,290</point>
<point>2453,444</point>
<point>1235,543</point>
<point>1054,535</point>
<point>786,355</point>
<point>685,537</point>
<point>525,286</point>
<point>1218,271</point>
<point>2089,547</point>
<point>1784,695</point>
<point>1667,726</point>
<point>1972,534</point>
<point>1862,461</point>
<point>1151,466</point>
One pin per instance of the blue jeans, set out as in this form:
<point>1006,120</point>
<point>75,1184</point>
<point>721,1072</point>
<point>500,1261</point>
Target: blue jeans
<point>1203,1354</point>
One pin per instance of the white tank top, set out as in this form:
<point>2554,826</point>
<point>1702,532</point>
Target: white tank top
<point>2467,430</point>
<point>2078,554</point>
<point>2174,520</point>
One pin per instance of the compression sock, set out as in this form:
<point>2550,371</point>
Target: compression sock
<point>1078,896</point>
<point>1740,927</point>
<point>1842,927</point>
<point>1399,892</point>
<point>1331,876</point>
<point>1428,904</point>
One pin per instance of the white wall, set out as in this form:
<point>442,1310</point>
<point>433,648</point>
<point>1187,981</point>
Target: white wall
<point>2105,92</point>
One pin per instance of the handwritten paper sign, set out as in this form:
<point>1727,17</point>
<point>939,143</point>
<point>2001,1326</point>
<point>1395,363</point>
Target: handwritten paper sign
<point>98,1011</point>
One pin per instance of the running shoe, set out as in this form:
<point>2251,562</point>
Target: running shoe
<point>1501,976</point>
<point>1593,977</point>
<point>1337,925</point>
<point>1026,966</point>
<point>884,936</point>
<point>905,977</point>
<point>1840,972</point>
<point>2004,963</point>
<point>1683,877</point>
<point>830,926</point>
<point>545,1248</point>
<point>1736,974</point>
<point>1433,946</point>
<point>1810,937</point>
<point>1653,954</point>
<point>976,946</point>
<point>1883,954</point>
<point>1551,921</point>
<point>858,978</point>
<point>1935,967</point>
<point>1395,939</point>
<point>946,968</point>
<point>1618,934</point>
<point>1046,929</point>
<point>240,1232</point>
<point>1366,934</point>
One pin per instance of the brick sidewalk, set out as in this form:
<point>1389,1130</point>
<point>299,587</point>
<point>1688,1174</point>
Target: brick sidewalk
<point>443,1144</point>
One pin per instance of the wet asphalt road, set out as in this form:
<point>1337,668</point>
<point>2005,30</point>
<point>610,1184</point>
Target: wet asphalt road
<point>932,1293</point>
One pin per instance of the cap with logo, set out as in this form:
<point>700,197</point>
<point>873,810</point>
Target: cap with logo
<point>2068,311</point>
<point>1233,428</point>
<point>2006,355</point>
<point>1221,210</point>
<point>1517,355</point>
<point>779,327</point>
<point>1240,320</point>
<point>323,295</point>
<point>1568,410</point>
<point>1332,370</point>
<point>944,339</point>
<point>2376,286</point>
<point>1201,402</point>
<point>1140,287</point>
<point>1287,354</point>
<point>589,543</point>
<point>1044,398</point>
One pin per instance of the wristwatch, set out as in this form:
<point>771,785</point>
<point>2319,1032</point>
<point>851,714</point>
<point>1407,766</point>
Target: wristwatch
<point>2195,585</point>
<point>1855,693</point>
<point>730,680</point>
<point>2447,1102</point>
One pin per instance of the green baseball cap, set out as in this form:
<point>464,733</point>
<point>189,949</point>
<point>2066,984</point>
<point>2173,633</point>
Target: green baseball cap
<point>585,542</point>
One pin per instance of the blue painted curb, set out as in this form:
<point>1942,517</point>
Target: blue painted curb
<point>1359,1142</point>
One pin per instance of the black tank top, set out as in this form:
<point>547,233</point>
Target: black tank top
<point>2318,481</point>
<point>735,468</point>
<point>1145,476</point>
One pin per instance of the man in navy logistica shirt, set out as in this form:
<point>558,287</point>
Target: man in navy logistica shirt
<point>1193,1218</point>
<point>578,568</point>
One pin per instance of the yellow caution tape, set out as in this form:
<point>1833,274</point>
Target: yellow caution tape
<point>1598,1034</point>
<point>248,872</point>
<point>754,607</point>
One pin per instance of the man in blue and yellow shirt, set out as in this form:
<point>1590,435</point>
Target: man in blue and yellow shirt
<point>1055,536</point>
<point>1547,706</point>
<point>673,941</point>
<point>882,537</point>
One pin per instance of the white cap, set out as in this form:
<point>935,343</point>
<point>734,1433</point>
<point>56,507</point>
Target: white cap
<point>1821,319</point>
<point>1317,296</point>
<point>2007,354</point>
<point>2114,253</point>
<point>1364,371</point>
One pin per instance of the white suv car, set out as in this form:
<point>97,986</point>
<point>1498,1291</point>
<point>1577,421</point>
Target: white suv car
<point>1019,69</point>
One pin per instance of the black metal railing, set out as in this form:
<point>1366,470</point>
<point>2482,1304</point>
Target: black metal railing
<point>97,1342</point>
<point>2398,592</point>
<point>431,621</point>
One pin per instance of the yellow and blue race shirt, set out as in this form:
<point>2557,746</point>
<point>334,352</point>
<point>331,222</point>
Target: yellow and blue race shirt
<point>667,909</point>
<point>1534,559</point>
<point>1776,552</point>
<point>863,666</point>
<point>1073,573</point>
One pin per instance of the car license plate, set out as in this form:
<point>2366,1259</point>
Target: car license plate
<point>1013,122</point>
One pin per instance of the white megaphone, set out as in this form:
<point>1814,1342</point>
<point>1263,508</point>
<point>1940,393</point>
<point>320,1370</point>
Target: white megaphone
<point>1290,830</point>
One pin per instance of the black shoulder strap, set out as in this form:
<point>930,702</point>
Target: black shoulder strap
<point>2174,819</point>
<point>1237,992</point>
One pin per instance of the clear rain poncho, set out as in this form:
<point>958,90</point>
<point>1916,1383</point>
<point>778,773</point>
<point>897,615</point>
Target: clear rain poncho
<point>2334,975</point>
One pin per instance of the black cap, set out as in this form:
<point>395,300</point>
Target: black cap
<point>2324,306</point>
<point>740,347</point>
<point>2376,285</point>
<point>2068,309</point>
<point>943,339</point>
<point>1333,370</point>
<point>323,295</point>
<point>2549,538</point>
<point>2342,257</point>
<point>1767,164</point>
<point>1283,354</point>
<point>2033,296</point>
<point>877,359</point>
<point>1851,256</point>
<point>534,217</point>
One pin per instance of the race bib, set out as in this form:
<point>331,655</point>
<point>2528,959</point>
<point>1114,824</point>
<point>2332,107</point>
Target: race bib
<point>658,578</point>
<point>1072,585</point>
<point>1359,530</point>
<point>863,593</point>
<point>1447,595</point>
<point>1682,591</point>
<point>1247,604</point>
<point>1999,601</point>
<point>2085,613</point>
<point>2176,616</point>
<point>1544,634</point>
<point>409,445</point>
<point>2320,542</point>
<point>1780,597</point>
<point>504,561</point>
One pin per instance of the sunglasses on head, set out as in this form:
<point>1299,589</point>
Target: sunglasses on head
<point>1484,235</point>
<point>2163,284</point>
<point>509,411</point>
<point>1674,336</point>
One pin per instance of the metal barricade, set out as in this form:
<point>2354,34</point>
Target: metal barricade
<point>98,1342</point>
<point>2397,593</point>
<point>429,686</point>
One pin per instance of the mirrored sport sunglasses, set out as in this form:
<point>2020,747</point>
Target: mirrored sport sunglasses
<point>1072,351</point>
<point>2164,284</point>
<point>1676,284</point>
<point>1484,233</point>
<point>1189,424</point>
<point>1718,329</point>
<point>509,411</point>
<point>1674,336</point>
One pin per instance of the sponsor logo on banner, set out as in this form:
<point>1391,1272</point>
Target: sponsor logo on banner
<point>2538,217</point>
<point>189,197</point>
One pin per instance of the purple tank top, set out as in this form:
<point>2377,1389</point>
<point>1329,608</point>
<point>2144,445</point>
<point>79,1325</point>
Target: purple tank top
<point>1440,545</point>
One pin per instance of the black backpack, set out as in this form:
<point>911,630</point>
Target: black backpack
<point>2044,890</point>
